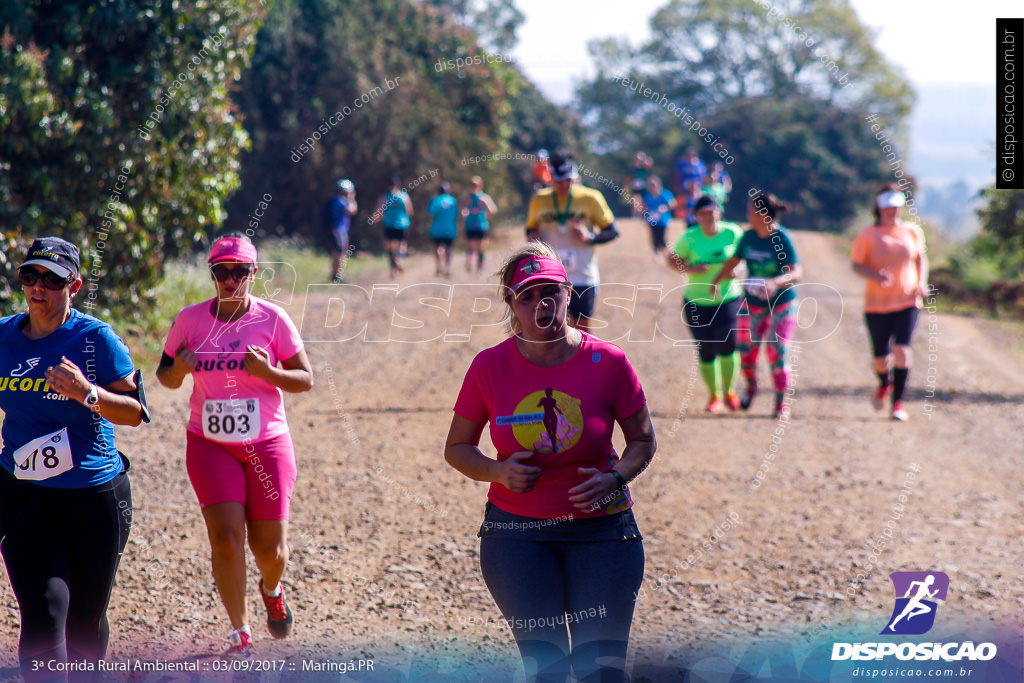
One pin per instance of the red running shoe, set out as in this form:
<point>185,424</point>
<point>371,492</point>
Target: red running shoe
<point>279,617</point>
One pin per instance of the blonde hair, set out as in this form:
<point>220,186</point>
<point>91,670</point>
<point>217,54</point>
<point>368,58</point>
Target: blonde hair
<point>508,271</point>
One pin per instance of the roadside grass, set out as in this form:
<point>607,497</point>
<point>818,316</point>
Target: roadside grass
<point>287,268</point>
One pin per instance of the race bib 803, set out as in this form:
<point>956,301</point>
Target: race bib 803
<point>232,420</point>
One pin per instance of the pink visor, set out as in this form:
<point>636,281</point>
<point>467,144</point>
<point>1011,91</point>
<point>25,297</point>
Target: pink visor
<point>233,249</point>
<point>533,268</point>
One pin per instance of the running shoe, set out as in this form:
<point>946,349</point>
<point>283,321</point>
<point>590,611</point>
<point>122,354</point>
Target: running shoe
<point>878,400</point>
<point>748,395</point>
<point>279,617</point>
<point>714,405</point>
<point>732,401</point>
<point>241,643</point>
<point>898,413</point>
<point>782,411</point>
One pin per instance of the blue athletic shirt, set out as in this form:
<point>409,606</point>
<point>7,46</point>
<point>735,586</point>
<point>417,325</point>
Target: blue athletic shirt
<point>395,215</point>
<point>335,216</point>
<point>476,219</point>
<point>658,213</point>
<point>444,208</point>
<point>32,410</point>
<point>767,257</point>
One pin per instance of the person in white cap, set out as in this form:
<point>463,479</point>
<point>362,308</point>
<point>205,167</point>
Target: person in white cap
<point>336,218</point>
<point>892,257</point>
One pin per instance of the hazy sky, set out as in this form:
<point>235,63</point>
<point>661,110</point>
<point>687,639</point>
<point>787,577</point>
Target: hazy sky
<point>934,42</point>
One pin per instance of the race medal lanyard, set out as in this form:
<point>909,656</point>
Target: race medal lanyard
<point>559,216</point>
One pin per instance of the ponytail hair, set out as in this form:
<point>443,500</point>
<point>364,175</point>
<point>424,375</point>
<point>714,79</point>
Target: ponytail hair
<point>768,204</point>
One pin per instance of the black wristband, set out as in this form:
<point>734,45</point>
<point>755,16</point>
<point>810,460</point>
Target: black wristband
<point>619,478</point>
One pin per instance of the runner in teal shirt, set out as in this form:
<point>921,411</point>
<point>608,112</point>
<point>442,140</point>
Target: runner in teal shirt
<point>773,269</point>
<point>445,210</point>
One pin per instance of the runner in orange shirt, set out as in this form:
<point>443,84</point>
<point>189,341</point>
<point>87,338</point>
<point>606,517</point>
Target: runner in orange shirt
<point>891,256</point>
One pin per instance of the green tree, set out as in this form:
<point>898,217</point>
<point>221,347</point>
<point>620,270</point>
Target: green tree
<point>744,70</point>
<point>315,59</point>
<point>116,132</point>
<point>493,22</point>
<point>1001,238</point>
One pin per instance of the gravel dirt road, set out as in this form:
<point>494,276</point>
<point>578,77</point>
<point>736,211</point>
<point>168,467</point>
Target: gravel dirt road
<point>383,533</point>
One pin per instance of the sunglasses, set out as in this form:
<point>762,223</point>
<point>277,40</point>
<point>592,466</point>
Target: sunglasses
<point>50,280</point>
<point>223,273</point>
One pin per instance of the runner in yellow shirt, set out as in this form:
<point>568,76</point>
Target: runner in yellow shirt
<point>565,216</point>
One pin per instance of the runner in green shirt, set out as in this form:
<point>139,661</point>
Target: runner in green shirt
<point>711,311</point>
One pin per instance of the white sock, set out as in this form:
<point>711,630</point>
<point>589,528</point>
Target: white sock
<point>245,628</point>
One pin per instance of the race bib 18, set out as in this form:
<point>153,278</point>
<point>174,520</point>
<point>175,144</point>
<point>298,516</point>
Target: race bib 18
<point>231,420</point>
<point>44,457</point>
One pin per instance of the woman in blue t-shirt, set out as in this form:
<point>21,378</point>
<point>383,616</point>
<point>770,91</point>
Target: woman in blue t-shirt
<point>658,204</point>
<point>444,211</point>
<point>773,268</point>
<point>65,501</point>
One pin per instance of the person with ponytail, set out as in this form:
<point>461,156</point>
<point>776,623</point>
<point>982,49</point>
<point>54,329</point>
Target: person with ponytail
<point>769,296</point>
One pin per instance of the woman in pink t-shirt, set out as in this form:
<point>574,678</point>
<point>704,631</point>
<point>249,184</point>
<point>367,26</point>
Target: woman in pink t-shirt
<point>559,544</point>
<point>242,352</point>
<point>891,256</point>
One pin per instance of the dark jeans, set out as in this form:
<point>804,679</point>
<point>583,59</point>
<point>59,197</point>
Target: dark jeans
<point>588,584</point>
<point>62,548</point>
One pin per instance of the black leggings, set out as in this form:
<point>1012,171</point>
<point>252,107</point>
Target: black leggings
<point>538,585</point>
<point>62,548</point>
<point>714,327</point>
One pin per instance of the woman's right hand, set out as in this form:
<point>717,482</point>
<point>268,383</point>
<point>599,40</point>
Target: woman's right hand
<point>185,359</point>
<point>517,476</point>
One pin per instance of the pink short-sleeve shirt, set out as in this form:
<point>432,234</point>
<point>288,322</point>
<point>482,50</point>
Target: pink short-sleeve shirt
<point>565,414</point>
<point>221,386</point>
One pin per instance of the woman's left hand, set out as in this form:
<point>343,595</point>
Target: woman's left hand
<point>67,380</point>
<point>590,493</point>
<point>257,361</point>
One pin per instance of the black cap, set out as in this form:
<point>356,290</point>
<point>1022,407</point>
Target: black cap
<point>704,202</point>
<point>54,254</point>
<point>563,168</point>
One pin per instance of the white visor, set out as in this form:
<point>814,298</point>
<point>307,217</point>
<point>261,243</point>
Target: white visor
<point>891,200</point>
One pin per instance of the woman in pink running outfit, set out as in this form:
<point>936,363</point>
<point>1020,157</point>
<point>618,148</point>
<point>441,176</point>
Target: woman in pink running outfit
<point>242,353</point>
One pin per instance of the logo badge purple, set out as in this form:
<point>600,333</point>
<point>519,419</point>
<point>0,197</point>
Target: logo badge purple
<point>916,595</point>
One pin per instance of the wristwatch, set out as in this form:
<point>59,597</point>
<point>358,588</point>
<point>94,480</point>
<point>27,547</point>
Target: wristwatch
<point>92,399</point>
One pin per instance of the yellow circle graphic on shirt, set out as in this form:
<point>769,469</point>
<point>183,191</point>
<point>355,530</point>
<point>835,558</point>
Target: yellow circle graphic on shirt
<point>556,425</point>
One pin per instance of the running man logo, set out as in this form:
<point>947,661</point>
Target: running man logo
<point>914,613</point>
<point>31,363</point>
